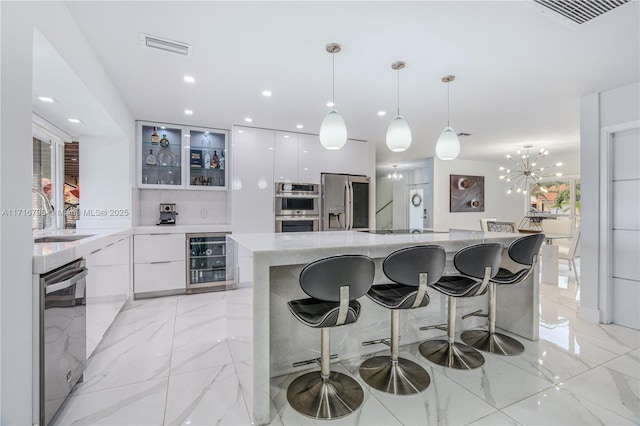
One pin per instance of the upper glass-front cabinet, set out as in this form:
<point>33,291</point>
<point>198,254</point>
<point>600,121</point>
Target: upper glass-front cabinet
<point>181,157</point>
<point>207,158</point>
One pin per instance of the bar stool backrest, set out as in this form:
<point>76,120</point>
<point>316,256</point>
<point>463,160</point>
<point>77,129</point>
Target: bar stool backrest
<point>404,266</point>
<point>472,260</point>
<point>525,249</point>
<point>323,278</point>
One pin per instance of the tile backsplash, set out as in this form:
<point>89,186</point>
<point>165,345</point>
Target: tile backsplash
<point>193,207</point>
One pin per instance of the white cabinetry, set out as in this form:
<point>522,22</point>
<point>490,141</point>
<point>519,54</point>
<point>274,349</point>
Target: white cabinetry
<point>296,158</point>
<point>352,159</point>
<point>107,288</point>
<point>252,183</point>
<point>159,264</point>
<point>178,157</point>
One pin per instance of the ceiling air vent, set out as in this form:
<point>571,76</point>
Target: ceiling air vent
<point>166,45</point>
<point>581,11</point>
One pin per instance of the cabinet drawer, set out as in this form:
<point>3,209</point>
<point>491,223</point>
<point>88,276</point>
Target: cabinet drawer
<point>159,276</point>
<point>158,248</point>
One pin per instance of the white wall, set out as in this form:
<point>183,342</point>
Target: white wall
<point>498,204</point>
<point>18,21</point>
<point>597,111</point>
<point>15,230</point>
<point>189,205</point>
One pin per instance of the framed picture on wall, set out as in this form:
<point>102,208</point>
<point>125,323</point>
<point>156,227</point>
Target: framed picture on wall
<point>466,193</point>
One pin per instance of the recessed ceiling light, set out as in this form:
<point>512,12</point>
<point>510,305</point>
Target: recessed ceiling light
<point>188,112</point>
<point>248,119</point>
<point>162,127</point>
<point>74,120</point>
<point>299,126</point>
<point>330,104</point>
<point>47,99</point>
<point>381,113</point>
<point>267,93</point>
<point>240,131</point>
<point>189,79</point>
<point>286,136</point>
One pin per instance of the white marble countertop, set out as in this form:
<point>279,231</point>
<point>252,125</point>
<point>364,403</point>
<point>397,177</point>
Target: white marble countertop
<point>180,229</point>
<point>48,256</point>
<point>321,240</point>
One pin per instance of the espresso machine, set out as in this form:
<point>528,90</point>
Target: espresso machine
<point>167,214</point>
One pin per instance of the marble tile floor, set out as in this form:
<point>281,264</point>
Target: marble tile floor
<point>167,361</point>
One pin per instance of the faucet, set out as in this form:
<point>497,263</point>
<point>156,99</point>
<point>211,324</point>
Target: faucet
<point>48,207</point>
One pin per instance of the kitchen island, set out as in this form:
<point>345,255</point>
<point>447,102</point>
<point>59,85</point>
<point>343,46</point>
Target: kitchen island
<point>265,339</point>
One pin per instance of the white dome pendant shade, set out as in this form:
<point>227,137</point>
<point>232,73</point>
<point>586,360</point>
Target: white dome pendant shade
<point>333,130</point>
<point>448,145</point>
<point>398,132</point>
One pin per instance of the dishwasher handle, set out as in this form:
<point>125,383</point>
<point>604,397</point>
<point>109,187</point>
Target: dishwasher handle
<point>52,288</point>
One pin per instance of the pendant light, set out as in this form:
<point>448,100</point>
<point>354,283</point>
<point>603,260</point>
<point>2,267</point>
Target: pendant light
<point>333,130</point>
<point>398,133</point>
<point>448,145</point>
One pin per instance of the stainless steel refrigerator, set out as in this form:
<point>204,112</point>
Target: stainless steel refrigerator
<point>345,202</point>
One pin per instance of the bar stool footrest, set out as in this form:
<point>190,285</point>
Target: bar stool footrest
<point>386,341</point>
<point>454,355</point>
<point>337,397</point>
<point>318,361</point>
<point>403,377</point>
<point>442,327</point>
<point>477,313</point>
<point>495,343</point>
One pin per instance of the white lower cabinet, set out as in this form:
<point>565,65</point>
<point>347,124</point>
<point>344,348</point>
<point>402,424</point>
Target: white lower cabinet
<point>159,264</point>
<point>159,276</point>
<point>107,288</point>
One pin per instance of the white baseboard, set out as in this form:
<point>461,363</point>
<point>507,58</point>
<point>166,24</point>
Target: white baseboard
<point>589,314</point>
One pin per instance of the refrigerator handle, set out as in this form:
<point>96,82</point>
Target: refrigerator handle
<point>347,206</point>
<point>350,224</point>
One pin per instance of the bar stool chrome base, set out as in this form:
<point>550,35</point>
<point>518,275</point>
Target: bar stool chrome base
<point>402,377</point>
<point>452,355</point>
<point>495,343</point>
<point>334,398</point>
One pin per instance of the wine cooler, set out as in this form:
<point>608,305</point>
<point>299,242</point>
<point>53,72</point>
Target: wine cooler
<point>206,262</point>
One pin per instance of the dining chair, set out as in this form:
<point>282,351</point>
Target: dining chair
<point>569,253</point>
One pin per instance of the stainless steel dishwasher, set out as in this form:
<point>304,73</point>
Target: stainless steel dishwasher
<point>63,334</point>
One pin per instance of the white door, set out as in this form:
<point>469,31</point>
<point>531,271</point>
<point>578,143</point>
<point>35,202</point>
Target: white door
<point>624,227</point>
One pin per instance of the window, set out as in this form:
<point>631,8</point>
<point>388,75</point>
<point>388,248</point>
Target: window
<point>558,198</point>
<point>47,173</point>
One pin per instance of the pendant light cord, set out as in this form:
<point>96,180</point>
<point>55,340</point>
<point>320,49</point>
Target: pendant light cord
<point>333,79</point>
<point>398,91</point>
<point>448,104</point>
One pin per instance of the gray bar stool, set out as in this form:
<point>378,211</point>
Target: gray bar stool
<point>523,251</point>
<point>477,265</point>
<point>333,284</point>
<point>412,269</point>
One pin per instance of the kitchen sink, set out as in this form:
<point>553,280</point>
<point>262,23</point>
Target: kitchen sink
<point>60,238</point>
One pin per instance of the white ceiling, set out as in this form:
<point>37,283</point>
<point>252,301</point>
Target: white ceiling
<point>519,73</point>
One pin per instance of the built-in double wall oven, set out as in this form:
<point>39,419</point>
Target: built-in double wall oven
<point>296,207</point>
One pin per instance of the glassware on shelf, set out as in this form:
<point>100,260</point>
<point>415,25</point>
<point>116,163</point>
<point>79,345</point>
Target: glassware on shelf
<point>204,142</point>
<point>215,161</point>
<point>164,142</point>
<point>221,160</point>
<point>151,159</point>
<point>207,160</point>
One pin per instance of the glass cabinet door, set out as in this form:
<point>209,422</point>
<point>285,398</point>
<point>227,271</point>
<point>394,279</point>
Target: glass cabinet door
<point>206,265</point>
<point>161,156</point>
<point>207,159</point>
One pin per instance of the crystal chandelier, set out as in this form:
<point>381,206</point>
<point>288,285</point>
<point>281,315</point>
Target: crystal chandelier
<point>394,175</point>
<point>526,170</point>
